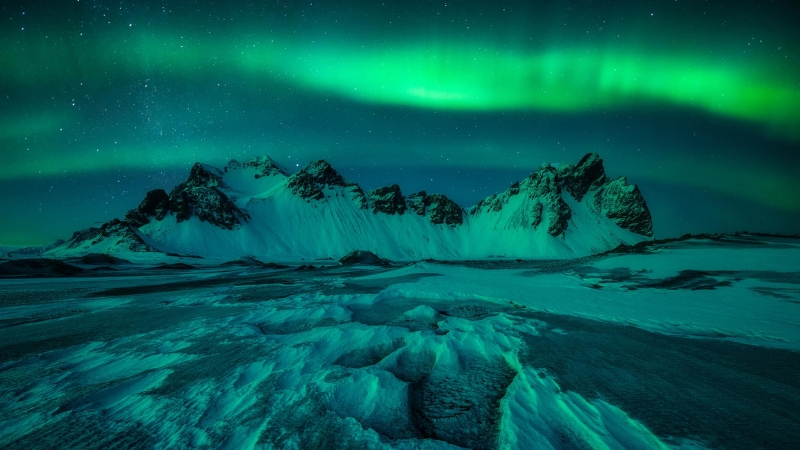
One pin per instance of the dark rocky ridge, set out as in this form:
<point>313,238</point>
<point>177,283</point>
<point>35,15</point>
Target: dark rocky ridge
<point>625,205</point>
<point>201,195</point>
<point>125,236</point>
<point>264,166</point>
<point>387,200</point>
<point>438,207</point>
<point>155,204</point>
<point>310,181</point>
<point>615,199</point>
<point>443,210</point>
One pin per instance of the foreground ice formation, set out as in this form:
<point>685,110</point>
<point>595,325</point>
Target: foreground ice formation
<point>690,344</point>
<point>257,208</point>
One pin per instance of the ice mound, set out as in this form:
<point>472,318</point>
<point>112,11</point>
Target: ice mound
<point>363,258</point>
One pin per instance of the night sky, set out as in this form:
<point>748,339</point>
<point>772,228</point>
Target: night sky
<point>697,102</point>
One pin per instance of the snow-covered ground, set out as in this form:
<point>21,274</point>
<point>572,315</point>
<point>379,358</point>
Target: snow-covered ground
<point>693,345</point>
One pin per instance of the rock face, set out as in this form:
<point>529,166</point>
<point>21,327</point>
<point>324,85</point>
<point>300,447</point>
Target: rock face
<point>310,182</point>
<point>387,200</point>
<point>362,258</point>
<point>416,202</point>
<point>119,234</point>
<point>264,167</point>
<point>155,205</point>
<point>587,174</point>
<point>200,195</point>
<point>438,208</point>
<point>443,210</point>
<point>546,187</point>
<point>623,203</point>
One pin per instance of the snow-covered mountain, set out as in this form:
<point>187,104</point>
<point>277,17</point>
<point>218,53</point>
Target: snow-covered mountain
<point>257,208</point>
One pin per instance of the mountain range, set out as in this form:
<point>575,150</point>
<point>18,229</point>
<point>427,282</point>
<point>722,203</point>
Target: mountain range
<point>257,208</point>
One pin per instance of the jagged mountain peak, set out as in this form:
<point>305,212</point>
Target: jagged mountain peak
<point>155,204</point>
<point>204,175</point>
<point>387,200</point>
<point>309,182</point>
<point>323,173</point>
<point>264,166</point>
<point>544,189</point>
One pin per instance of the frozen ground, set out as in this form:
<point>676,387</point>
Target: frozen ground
<point>691,345</point>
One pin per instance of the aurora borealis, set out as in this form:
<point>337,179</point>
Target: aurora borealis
<point>696,101</point>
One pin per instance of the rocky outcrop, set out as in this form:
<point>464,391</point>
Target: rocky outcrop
<point>544,188</point>
<point>120,235</point>
<point>387,200</point>
<point>363,258</point>
<point>416,202</point>
<point>264,166</point>
<point>155,205</point>
<point>310,182</point>
<point>624,204</point>
<point>439,208</point>
<point>547,187</point>
<point>324,174</point>
<point>536,214</point>
<point>580,178</point>
<point>443,210</point>
<point>201,195</point>
<point>302,185</point>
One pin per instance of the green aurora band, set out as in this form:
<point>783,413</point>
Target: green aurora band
<point>435,76</point>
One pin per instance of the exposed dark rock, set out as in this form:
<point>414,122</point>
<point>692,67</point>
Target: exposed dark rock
<point>443,210</point>
<point>558,215</point>
<point>200,195</point>
<point>543,186</point>
<point>124,235</point>
<point>248,261</point>
<point>616,200</point>
<point>264,165</point>
<point>312,179</point>
<point>388,200</point>
<point>536,214</point>
<point>37,267</point>
<point>587,174</point>
<point>625,205</point>
<point>416,202</point>
<point>155,204</point>
<point>323,173</point>
<point>302,185</point>
<point>363,258</point>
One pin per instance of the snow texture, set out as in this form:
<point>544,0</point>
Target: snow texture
<point>694,344</point>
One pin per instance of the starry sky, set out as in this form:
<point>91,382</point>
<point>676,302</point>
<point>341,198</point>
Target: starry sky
<point>697,102</point>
